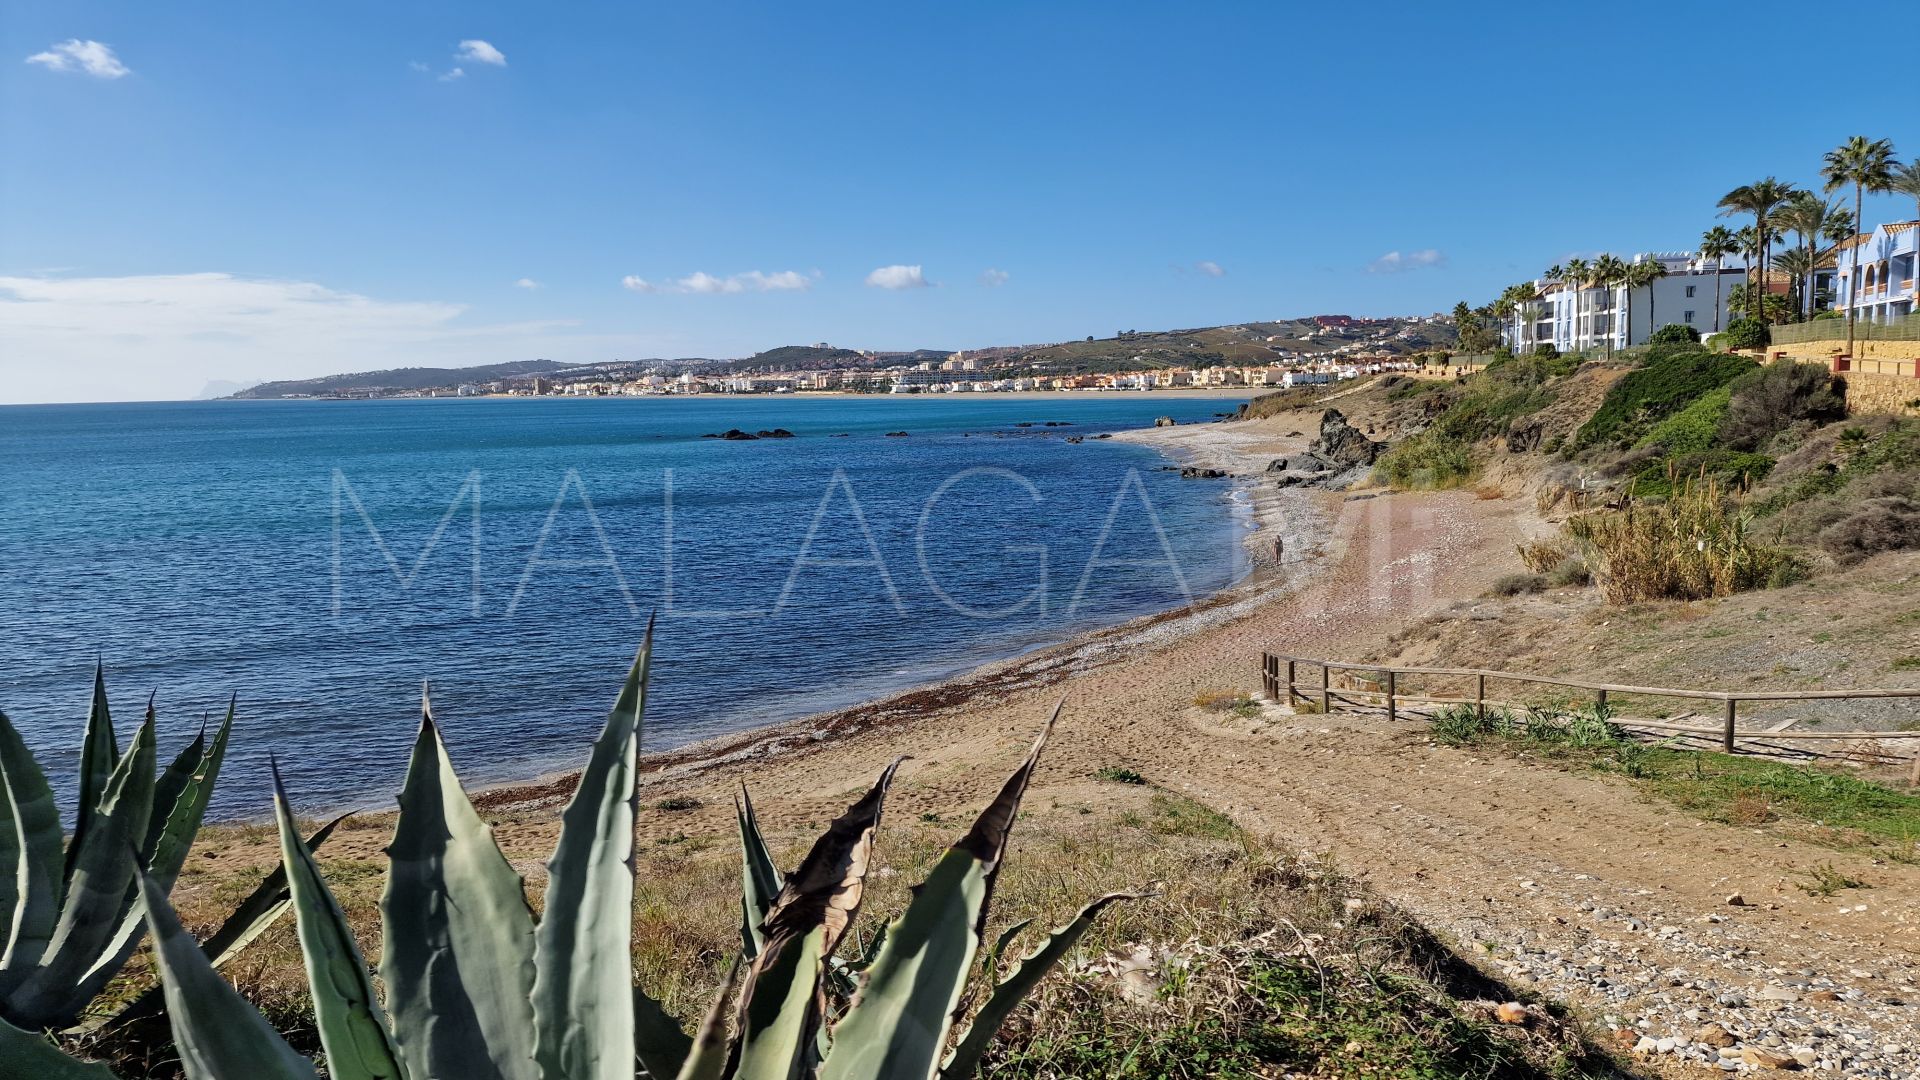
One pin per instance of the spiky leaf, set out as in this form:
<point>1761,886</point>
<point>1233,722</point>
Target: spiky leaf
<point>219,1036</point>
<point>897,1027</point>
<point>760,879</point>
<point>345,1009</point>
<point>658,1040</point>
<point>1010,992</point>
<point>99,754</point>
<point>457,949</point>
<point>101,874</point>
<point>263,907</point>
<point>707,1058</point>
<point>780,1009</point>
<point>33,824</point>
<point>180,803</point>
<point>25,1054</point>
<point>583,966</point>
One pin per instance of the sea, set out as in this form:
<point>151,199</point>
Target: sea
<point>321,563</point>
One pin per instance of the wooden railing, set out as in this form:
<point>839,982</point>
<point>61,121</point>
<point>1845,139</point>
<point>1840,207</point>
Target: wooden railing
<point>1280,678</point>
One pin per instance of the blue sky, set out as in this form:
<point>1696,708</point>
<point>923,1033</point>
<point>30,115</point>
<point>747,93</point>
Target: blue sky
<point>276,190</point>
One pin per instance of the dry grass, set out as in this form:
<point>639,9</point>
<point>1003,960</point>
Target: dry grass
<point>1693,546</point>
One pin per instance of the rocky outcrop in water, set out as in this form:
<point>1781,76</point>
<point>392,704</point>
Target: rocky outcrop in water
<point>732,435</point>
<point>1165,421</point>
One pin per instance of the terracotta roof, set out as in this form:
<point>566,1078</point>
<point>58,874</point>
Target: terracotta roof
<point>1853,241</point>
<point>1900,226</point>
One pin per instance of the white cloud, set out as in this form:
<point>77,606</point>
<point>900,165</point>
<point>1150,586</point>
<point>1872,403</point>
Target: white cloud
<point>1209,268</point>
<point>455,73</point>
<point>164,336</point>
<point>526,283</point>
<point>90,57</point>
<point>1396,261</point>
<point>993,277</point>
<point>702,282</point>
<point>475,51</point>
<point>898,277</point>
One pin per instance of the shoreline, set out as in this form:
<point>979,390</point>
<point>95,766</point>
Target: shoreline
<point>1301,520</point>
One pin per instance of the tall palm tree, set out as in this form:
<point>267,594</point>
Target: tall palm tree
<point>1531,312</point>
<point>1762,199</point>
<point>1867,164</point>
<point>1799,264</point>
<point>1716,244</point>
<point>1556,275</point>
<point>1578,273</point>
<point>1608,273</point>
<point>1807,214</point>
<point>1906,181</point>
<point>1642,275</point>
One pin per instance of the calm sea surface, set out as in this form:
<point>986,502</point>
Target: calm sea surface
<point>323,559</point>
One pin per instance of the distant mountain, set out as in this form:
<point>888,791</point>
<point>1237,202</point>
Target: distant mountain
<point>419,378</point>
<point>219,388</point>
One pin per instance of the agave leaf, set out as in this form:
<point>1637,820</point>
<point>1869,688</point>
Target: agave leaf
<point>990,966</point>
<point>897,1026</point>
<point>457,948</point>
<point>780,1006</point>
<point>760,880</point>
<point>33,822</point>
<point>263,907</point>
<point>219,1035</point>
<point>25,1053</point>
<point>1000,1004</point>
<point>583,954</point>
<point>707,1058</point>
<point>182,793</point>
<point>99,754</point>
<point>657,1039</point>
<point>98,883</point>
<point>346,1010</point>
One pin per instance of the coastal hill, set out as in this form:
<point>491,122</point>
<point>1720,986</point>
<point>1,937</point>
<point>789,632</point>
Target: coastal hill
<point>1277,342</point>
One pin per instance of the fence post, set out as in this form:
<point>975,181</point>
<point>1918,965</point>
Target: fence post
<point>1289,684</point>
<point>1727,739</point>
<point>1326,688</point>
<point>1480,697</point>
<point>1599,701</point>
<point>1392,712</point>
<point>1913,779</point>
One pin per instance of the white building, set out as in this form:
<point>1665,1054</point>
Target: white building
<point>1874,272</point>
<point>1695,292</point>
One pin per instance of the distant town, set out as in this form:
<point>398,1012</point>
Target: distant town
<point>1308,351</point>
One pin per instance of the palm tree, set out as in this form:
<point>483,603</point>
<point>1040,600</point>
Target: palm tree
<point>1868,166</point>
<point>1799,265</point>
<point>1762,199</point>
<point>1578,271</point>
<point>1642,275</point>
<point>1531,312</point>
<point>1808,214</point>
<point>1556,275</point>
<point>1716,244</point>
<point>1608,273</point>
<point>1906,181</point>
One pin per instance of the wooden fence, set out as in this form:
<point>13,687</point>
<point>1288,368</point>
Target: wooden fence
<point>1280,677</point>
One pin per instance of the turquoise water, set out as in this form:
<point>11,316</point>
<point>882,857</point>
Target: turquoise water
<point>323,559</point>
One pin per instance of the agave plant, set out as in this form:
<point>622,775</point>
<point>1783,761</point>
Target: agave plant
<point>477,987</point>
<point>67,913</point>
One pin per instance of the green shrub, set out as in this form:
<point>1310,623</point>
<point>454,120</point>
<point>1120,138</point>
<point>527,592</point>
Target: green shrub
<point>1674,334</point>
<point>1692,429</point>
<point>1744,333</point>
<point>1427,460</point>
<point>1734,469</point>
<point>1692,547</point>
<point>1518,585</point>
<point>1765,402</point>
<point>1671,378</point>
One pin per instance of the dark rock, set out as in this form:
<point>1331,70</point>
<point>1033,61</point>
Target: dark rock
<point>1164,421</point>
<point>733,434</point>
<point>1027,423</point>
<point>1278,464</point>
<point>1104,435</point>
<point>776,433</point>
<point>1059,423</point>
<point>1295,434</point>
<point>1074,439</point>
<point>1193,473</point>
<point>896,434</point>
<point>1342,444</point>
<point>1524,439</point>
<point>841,435</point>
